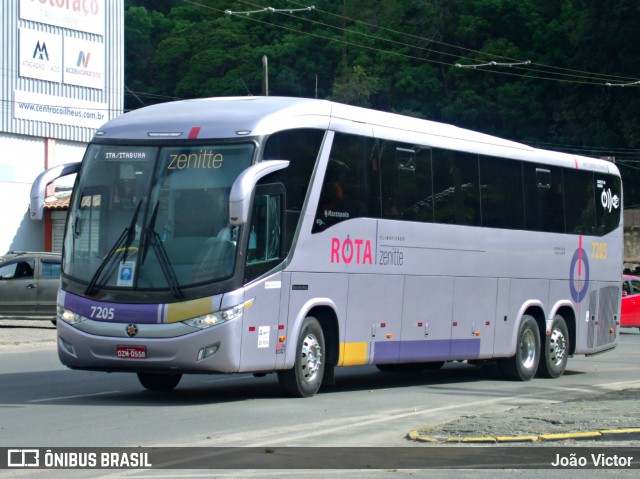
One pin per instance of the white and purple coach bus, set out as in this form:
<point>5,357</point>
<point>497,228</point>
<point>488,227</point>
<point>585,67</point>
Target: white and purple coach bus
<point>291,235</point>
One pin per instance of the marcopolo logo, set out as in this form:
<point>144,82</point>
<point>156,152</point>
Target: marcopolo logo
<point>609,200</point>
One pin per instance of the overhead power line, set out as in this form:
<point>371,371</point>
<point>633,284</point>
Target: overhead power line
<point>271,10</point>
<point>494,64</point>
<point>635,83</point>
<point>565,75</point>
<point>523,69</point>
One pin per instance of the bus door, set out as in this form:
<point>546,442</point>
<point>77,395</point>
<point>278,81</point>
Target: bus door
<point>262,328</point>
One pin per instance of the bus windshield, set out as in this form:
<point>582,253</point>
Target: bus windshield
<point>154,218</point>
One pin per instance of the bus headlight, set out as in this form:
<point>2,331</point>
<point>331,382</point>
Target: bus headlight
<point>69,316</point>
<point>219,317</point>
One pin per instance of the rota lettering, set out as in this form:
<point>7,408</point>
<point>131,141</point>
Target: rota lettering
<point>350,250</point>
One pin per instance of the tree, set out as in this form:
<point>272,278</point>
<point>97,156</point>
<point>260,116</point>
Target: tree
<point>401,57</point>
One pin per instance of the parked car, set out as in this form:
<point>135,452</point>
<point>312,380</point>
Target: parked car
<point>630,314</point>
<point>29,285</point>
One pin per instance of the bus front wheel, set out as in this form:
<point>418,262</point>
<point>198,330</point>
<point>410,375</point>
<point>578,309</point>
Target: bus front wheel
<point>555,352</point>
<point>159,381</point>
<point>524,364</point>
<point>305,378</point>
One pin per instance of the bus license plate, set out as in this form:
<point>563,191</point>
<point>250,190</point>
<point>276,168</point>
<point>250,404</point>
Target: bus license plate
<point>131,352</point>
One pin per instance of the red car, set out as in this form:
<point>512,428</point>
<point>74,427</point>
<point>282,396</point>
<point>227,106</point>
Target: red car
<point>630,314</point>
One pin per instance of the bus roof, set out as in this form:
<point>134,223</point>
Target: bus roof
<point>236,117</point>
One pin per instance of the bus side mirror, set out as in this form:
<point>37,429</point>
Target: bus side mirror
<point>39,186</point>
<point>243,186</point>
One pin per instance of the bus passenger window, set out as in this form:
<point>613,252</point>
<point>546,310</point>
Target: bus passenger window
<point>301,147</point>
<point>405,182</point>
<point>501,193</point>
<point>456,188</point>
<point>351,186</point>
<point>334,201</point>
<point>580,202</point>
<point>543,198</point>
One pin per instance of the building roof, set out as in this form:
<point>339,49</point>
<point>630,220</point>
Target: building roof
<point>57,204</point>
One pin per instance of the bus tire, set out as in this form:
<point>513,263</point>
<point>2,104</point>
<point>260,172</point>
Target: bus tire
<point>524,364</point>
<point>305,378</point>
<point>159,381</point>
<point>555,352</point>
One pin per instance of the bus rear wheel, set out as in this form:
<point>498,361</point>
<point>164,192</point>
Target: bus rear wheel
<point>159,381</point>
<point>555,352</point>
<point>524,364</point>
<point>305,378</point>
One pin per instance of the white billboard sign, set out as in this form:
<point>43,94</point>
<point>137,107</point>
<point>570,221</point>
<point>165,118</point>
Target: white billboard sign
<point>81,15</point>
<point>84,63</point>
<point>59,110</point>
<point>40,55</point>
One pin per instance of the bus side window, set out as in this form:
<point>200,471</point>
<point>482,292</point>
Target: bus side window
<point>456,187</point>
<point>265,245</point>
<point>580,202</point>
<point>301,147</point>
<point>351,188</point>
<point>543,198</point>
<point>406,182</point>
<point>501,193</point>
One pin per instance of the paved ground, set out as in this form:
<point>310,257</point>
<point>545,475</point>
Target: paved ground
<point>614,416</point>
<point>25,333</point>
<point>568,422</point>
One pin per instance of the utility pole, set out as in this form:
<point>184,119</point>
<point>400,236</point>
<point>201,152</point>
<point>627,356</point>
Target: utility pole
<point>265,83</point>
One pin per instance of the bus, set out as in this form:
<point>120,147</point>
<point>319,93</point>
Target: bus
<point>291,235</point>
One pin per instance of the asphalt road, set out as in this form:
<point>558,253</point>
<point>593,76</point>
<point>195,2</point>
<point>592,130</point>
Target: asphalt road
<point>43,404</point>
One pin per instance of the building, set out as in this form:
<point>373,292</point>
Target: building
<point>62,77</point>
<point>632,241</point>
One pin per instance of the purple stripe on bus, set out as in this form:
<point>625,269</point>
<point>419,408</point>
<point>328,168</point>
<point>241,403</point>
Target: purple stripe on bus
<point>427,350</point>
<point>112,312</point>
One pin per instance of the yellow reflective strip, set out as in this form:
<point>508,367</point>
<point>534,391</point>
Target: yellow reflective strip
<point>353,354</point>
<point>188,309</point>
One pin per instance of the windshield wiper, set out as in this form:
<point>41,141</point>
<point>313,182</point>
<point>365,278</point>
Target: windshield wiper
<point>150,228</point>
<point>122,244</point>
<point>153,238</point>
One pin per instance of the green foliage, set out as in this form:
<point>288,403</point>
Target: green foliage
<point>400,56</point>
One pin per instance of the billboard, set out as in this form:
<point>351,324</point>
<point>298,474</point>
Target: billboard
<point>83,63</point>
<point>40,55</point>
<point>82,15</point>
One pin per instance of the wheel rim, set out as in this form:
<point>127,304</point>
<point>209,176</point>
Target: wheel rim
<point>557,346</point>
<point>310,357</point>
<point>528,349</point>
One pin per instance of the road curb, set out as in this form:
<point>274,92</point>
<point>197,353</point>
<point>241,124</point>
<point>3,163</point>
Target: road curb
<point>602,435</point>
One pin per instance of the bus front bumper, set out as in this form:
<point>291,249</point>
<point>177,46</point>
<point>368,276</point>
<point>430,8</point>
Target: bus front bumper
<point>215,349</point>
